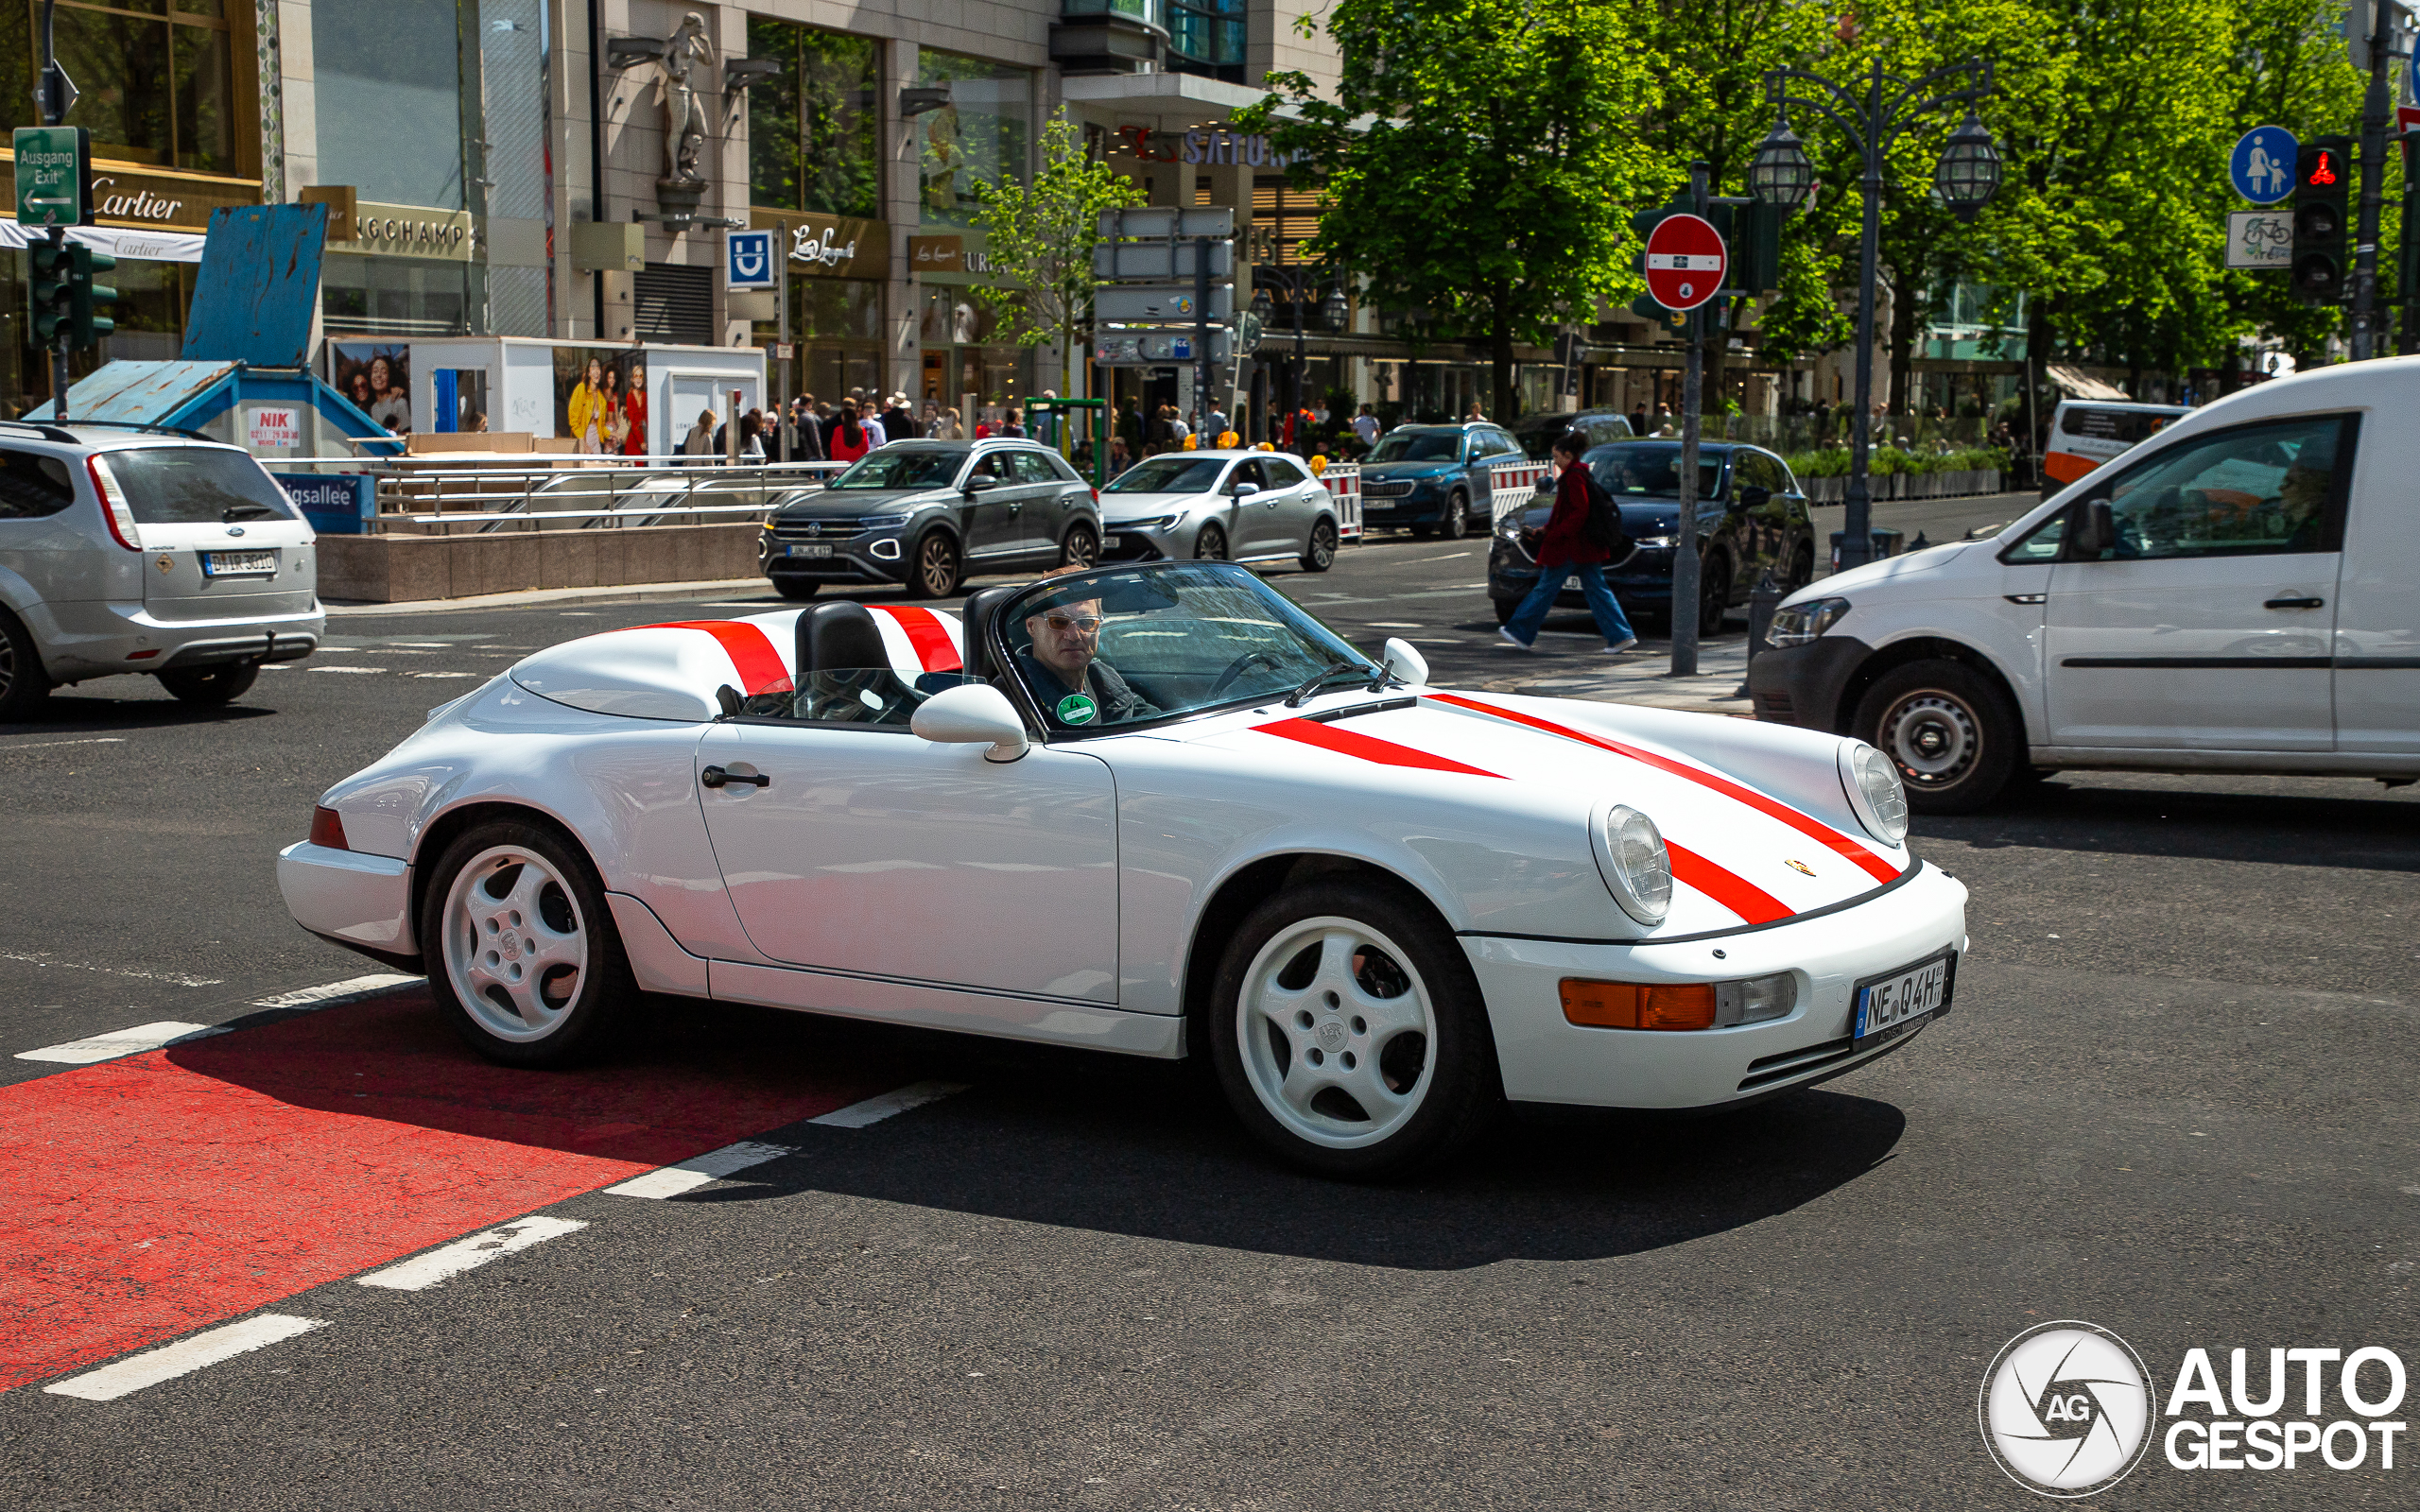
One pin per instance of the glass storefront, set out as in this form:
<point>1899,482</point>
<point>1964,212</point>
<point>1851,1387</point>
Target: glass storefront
<point>979,137</point>
<point>157,88</point>
<point>394,296</point>
<point>813,131</point>
<point>390,99</point>
<point>966,351</point>
<point>152,297</point>
<point>836,326</point>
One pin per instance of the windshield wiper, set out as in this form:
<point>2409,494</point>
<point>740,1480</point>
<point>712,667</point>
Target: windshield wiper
<point>247,512</point>
<point>1295,698</point>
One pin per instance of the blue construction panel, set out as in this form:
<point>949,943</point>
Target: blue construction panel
<point>258,285</point>
<point>143,393</point>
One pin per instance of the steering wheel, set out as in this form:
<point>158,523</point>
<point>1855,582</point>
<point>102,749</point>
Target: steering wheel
<point>1235,669</point>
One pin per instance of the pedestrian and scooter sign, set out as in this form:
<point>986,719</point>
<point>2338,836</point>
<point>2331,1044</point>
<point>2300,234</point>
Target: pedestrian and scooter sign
<point>1686,260</point>
<point>2263,164</point>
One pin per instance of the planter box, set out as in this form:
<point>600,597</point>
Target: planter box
<point>401,568</point>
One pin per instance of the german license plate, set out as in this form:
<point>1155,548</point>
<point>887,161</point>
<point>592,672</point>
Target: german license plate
<point>823,549</point>
<point>239,565</point>
<point>1112,540</point>
<point>1892,1005</point>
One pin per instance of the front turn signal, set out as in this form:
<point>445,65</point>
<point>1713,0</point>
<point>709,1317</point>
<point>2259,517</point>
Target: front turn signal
<point>1638,1004</point>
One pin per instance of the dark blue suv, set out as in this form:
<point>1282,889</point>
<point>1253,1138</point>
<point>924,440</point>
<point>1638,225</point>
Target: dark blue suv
<point>1432,479</point>
<point>1751,518</point>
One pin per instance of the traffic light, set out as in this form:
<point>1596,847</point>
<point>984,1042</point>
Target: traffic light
<point>1645,307</point>
<point>54,295</point>
<point>85,325</point>
<point>1752,235</point>
<point>2323,175</point>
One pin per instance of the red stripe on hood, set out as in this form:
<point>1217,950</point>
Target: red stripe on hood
<point>1367,748</point>
<point>1728,888</point>
<point>1876,868</point>
<point>751,651</point>
<point>930,638</point>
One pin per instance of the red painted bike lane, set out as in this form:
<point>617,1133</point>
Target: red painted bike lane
<point>146,1197</point>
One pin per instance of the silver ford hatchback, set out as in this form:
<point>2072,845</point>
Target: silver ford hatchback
<point>139,552</point>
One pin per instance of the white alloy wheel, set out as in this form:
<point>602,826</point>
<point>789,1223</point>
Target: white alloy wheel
<point>1337,1033</point>
<point>516,950</point>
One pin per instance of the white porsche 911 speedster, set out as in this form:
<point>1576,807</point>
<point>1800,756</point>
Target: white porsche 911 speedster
<point>1157,810</point>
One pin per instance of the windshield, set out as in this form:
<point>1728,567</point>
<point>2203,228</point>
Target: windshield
<point>194,485</point>
<point>886,468</point>
<point>1651,470</point>
<point>1121,647</point>
<point>1418,446</point>
<point>1169,474</point>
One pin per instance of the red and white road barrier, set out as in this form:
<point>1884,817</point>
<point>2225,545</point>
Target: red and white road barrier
<point>1344,480</point>
<point>1510,484</point>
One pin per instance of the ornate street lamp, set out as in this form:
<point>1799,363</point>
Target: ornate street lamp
<point>1333,310</point>
<point>1881,106</point>
<point>1299,281</point>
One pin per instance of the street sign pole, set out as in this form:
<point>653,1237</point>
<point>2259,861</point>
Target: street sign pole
<point>1202,343</point>
<point>53,108</point>
<point>1684,536</point>
<point>2377,111</point>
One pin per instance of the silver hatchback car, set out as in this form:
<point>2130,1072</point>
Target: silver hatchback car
<point>141,552</point>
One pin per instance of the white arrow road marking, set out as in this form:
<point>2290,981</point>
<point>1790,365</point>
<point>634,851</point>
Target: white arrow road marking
<point>118,1042</point>
<point>183,1357</point>
<point>874,1110</point>
<point>421,1272</point>
<point>671,1181</point>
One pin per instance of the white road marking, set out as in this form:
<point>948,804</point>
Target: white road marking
<point>1451,556</point>
<point>172,978</point>
<point>183,1357</point>
<point>117,1042</point>
<point>441,674</point>
<point>421,1272</point>
<point>330,993</point>
<point>1394,625</point>
<point>712,1166</point>
<point>46,745</point>
<point>348,669</point>
<point>874,1110</point>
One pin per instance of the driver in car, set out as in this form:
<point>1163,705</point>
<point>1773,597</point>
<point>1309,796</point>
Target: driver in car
<point>1063,667</point>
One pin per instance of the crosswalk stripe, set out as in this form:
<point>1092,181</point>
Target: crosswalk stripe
<point>712,1166</point>
<point>874,1110</point>
<point>183,1357</point>
<point>329,993</point>
<point>421,1272</point>
<point>117,1042</point>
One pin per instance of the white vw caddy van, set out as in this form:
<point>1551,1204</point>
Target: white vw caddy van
<point>2240,592</point>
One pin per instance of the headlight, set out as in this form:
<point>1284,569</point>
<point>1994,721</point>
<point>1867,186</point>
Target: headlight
<point>883,522</point>
<point>1157,522</point>
<point>1659,542</point>
<point>1797,624</point>
<point>1874,792</point>
<point>1637,870</point>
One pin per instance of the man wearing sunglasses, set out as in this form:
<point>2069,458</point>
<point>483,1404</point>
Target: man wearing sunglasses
<point>1075,688</point>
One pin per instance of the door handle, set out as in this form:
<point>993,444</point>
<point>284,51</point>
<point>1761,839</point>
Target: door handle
<point>717,777</point>
<point>1015,505</point>
<point>2295,603</point>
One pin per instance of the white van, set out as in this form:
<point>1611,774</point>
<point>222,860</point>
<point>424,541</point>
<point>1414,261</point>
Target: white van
<point>2240,593</point>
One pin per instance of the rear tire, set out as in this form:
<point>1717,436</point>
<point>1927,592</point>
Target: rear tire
<point>1080,549</point>
<point>796,588</point>
<point>1349,1034</point>
<point>24,682</point>
<point>211,686</point>
<point>1319,551</point>
<point>522,953</point>
<point>1714,594</point>
<point>1952,735</point>
<point>933,572</point>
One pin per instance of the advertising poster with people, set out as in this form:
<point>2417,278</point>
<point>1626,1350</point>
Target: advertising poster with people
<point>600,400</point>
<point>377,377</point>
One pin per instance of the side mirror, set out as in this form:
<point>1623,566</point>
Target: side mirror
<point>982,483</point>
<point>974,714</point>
<point>2091,530</point>
<point>1242,488</point>
<point>1754,496</point>
<point>1398,656</point>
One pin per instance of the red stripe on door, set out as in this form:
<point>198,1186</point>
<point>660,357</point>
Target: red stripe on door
<point>751,651</point>
<point>150,1196</point>
<point>1367,748</point>
<point>1874,866</point>
<point>1728,888</point>
<point>930,638</point>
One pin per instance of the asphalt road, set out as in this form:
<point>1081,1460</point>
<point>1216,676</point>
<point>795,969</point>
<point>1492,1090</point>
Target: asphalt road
<point>2173,1098</point>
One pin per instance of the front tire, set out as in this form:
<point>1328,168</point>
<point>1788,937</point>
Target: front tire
<point>210,687</point>
<point>1947,728</point>
<point>1349,1036</point>
<point>934,571</point>
<point>1458,517</point>
<point>1211,545</point>
<point>1319,551</point>
<point>522,951</point>
<point>1714,594</point>
<point>24,684</point>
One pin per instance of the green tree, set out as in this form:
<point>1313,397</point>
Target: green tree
<point>1479,160</point>
<point>1039,238</point>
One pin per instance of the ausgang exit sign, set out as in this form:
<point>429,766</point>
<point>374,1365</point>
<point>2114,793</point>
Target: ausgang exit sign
<point>52,170</point>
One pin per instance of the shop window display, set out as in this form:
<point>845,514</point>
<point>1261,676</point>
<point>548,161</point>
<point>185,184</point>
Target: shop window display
<point>155,88</point>
<point>812,128</point>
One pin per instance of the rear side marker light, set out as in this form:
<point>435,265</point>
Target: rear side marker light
<point>327,830</point>
<point>115,509</point>
<point>143,656</point>
<point>1678,1004</point>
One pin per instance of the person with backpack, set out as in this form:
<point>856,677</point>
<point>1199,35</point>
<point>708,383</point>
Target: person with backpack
<point>1583,533</point>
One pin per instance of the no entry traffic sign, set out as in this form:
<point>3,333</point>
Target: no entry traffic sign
<point>1684,262</point>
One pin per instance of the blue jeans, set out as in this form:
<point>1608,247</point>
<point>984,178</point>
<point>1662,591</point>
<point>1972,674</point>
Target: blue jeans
<point>1601,602</point>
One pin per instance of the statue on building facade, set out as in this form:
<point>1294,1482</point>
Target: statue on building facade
<point>689,84</point>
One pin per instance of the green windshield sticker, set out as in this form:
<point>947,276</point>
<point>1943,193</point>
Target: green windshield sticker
<point>1075,709</point>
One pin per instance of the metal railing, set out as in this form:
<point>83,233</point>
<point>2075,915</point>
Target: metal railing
<point>429,494</point>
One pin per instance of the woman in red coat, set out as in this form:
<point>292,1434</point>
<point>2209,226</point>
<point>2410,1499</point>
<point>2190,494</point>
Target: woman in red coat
<point>1564,551</point>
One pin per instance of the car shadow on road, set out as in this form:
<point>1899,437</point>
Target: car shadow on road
<point>2367,828</point>
<point>66,713</point>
